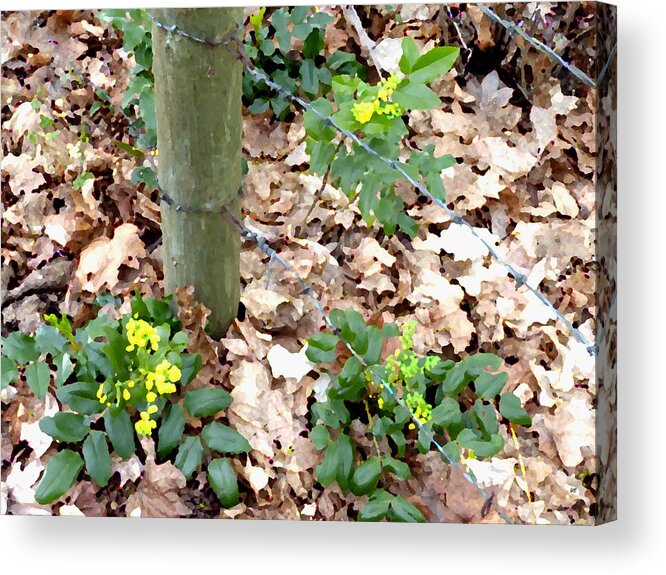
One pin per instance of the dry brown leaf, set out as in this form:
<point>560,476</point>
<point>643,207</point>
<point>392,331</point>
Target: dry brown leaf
<point>101,261</point>
<point>159,492</point>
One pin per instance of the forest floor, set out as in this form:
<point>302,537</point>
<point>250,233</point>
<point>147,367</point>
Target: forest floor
<point>525,143</point>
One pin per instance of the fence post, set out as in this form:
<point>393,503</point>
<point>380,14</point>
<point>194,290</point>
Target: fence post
<point>198,89</point>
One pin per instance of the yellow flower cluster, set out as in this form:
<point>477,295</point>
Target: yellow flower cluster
<point>163,378</point>
<point>363,111</point>
<point>140,333</point>
<point>145,425</point>
<point>421,409</point>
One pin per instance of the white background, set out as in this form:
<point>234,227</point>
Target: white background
<point>635,542</point>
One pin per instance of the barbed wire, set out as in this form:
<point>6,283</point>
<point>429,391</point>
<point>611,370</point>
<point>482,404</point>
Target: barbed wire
<point>514,28</point>
<point>457,219</point>
<point>263,244</point>
<point>306,289</point>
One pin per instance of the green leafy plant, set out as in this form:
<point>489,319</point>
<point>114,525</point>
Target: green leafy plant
<point>122,378</point>
<point>139,100</point>
<point>270,45</point>
<point>455,403</point>
<point>375,114</point>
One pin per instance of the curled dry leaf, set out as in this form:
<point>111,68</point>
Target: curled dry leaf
<point>101,261</point>
<point>159,492</point>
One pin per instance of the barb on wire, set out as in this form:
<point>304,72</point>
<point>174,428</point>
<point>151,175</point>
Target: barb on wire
<point>173,29</point>
<point>513,28</point>
<point>306,289</point>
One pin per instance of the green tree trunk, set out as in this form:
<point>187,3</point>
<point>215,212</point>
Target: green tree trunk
<point>199,130</point>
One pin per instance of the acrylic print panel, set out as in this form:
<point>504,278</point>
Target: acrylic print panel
<point>314,263</point>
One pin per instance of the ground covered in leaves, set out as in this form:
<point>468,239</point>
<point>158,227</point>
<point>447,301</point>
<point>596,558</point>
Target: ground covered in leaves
<point>522,132</point>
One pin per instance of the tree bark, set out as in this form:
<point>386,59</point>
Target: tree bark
<point>199,130</point>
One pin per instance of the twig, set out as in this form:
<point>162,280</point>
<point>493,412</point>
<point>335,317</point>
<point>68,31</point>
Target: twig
<point>351,16</point>
<point>457,28</point>
<point>319,192</point>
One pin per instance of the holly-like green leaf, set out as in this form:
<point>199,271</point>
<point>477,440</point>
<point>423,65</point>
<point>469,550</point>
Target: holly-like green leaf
<point>436,185</point>
<point>81,397</point>
<point>366,476</point>
<point>375,340</point>
<point>328,469</point>
<point>170,431</point>
<point>49,340</point>
<point>9,371</point>
<point>345,461</point>
<point>97,457</point>
<point>61,471</point>
<point>486,417</point>
<point>320,437</point>
<point>190,364</point>
<point>64,367</point>
<point>414,96</point>
<point>425,438</point>
<point>433,64</point>
<point>222,478</point>
<point>403,511</point>
<point>469,440</point>
<point>309,81</point>
<point>20,347</point>
<point>223,439</point>
<point>489,385</point>
<point>377,506</point>
<point>399,468</point>
<point>321,348</point>
<point>119,429</point>
<point>65,427</point>
<point>410,54</point>
<point>510,407</point>
<point>207,401</point>
<point>408,225</point>
<point>447,413</point>
<point>38,376</point>
<point>189,456</point>
<point>315,126</point>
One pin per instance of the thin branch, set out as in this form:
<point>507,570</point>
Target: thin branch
<point>366,43</point>
<point>319,192</point>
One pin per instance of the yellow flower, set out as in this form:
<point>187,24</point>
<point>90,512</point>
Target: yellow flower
<point>126,395</point>
<point>174,374</point>
<point>152,409</point>
<point>165,387</point>
<point>145,425</point>
<point>380,403</point>
<point>163,378</point>
<point>140,333</point>
<point>363,111</point>
<point>101,395</point>
<point>417,404</point>
<point>150,397</point>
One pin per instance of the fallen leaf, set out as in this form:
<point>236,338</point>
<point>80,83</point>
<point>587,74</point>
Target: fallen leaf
<point>101,261</point>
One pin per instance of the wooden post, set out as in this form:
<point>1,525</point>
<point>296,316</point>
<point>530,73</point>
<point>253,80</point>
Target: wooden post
<point>199,130</point>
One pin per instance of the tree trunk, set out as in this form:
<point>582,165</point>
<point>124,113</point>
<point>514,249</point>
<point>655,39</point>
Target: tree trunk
<point>199,130</point>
